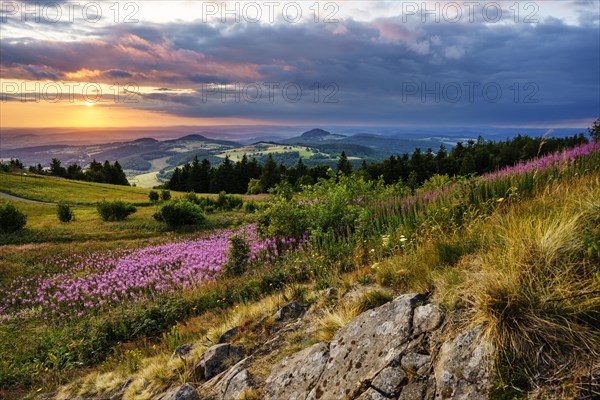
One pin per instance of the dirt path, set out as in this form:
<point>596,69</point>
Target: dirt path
<point>15,198</point>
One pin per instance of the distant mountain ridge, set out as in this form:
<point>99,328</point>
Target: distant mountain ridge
<point>149,156</point>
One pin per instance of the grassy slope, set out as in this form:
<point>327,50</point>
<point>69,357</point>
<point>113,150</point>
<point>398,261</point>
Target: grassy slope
<point>44,234</point>
<point>253,151</point>
<point>53,189</point>
<point>471,272</point>
<point>477,260</point>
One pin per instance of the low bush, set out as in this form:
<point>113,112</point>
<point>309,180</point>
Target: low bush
<point>250,207</point>
<point>153,196</point>
<point>64,212</point>
<point>192,198</point>
<point>228,202</point>
<point>165,195</point>
<point>11,219</point>
<point>177,214</point>
<point>115,210</point>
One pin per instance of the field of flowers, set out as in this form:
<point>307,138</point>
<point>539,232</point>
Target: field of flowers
<point>94,282</point>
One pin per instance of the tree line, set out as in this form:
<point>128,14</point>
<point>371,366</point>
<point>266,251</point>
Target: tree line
<point>95,172</point>
<point>475,157</point>
<point>249,176</point>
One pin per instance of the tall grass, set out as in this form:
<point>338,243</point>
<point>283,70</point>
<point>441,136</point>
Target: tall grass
<point>536,293</point>
<point>449,206</point>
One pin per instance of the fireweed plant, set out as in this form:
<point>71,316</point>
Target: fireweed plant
<point>97,281</point>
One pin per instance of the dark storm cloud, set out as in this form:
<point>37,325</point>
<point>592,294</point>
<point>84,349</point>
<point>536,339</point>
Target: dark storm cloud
<point>546,72</point>
<point>119,74</point>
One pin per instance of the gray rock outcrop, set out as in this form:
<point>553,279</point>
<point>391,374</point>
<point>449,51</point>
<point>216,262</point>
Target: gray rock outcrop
<point>463,370</point>
<point>395,351</point>
<point>293,377</point>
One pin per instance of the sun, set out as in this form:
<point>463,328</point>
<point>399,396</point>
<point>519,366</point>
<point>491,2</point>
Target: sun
<point>89,103</point>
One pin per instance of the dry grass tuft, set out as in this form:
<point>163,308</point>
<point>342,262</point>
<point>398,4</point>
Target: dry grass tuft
<point>535,292</point>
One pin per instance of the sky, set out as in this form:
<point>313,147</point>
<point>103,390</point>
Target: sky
<point>354,63</point>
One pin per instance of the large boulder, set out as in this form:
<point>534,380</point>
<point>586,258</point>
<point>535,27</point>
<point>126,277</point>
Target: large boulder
<point>367,345</point>
<point>394,351</point>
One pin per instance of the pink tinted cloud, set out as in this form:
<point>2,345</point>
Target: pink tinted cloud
<point>146,62</point>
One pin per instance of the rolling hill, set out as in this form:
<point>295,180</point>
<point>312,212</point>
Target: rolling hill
<point>148,161</point>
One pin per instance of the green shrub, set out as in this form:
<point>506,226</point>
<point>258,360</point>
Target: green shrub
<point>153,196</point>
<point>177,214</point>
<point>227,202</point>
<point>238,255</point>
<point>192,198</point>
<point>331,206</point>
<point>165,195</point>
<point>115,210</point>
<point>11,219</point>
<point>64,212</point>
<point>250,206</point>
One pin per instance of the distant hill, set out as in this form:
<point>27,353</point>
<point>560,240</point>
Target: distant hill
<point>313,136</point>
<point>140,156</point>
<point>148,161</point>
<point>368,146</point>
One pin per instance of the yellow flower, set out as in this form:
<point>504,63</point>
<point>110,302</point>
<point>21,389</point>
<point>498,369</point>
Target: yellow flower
<point>500,200</point>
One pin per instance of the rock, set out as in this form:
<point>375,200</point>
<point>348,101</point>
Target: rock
<point>389,381</point>
<point>236,385</point>
<point>413,391</point>
<point>416,363</point>
<point>373,356</point>
<point>227,336</point>
<point>184,392</point>
<point>220,357</point>
<point>427,318</point>
<point>293,377</point>
<point>365,346</point>
<point>464,368</point>
<point>371,394</point>
<point>181,351</point>
<point>230,383</point>
<point>290,311</point>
